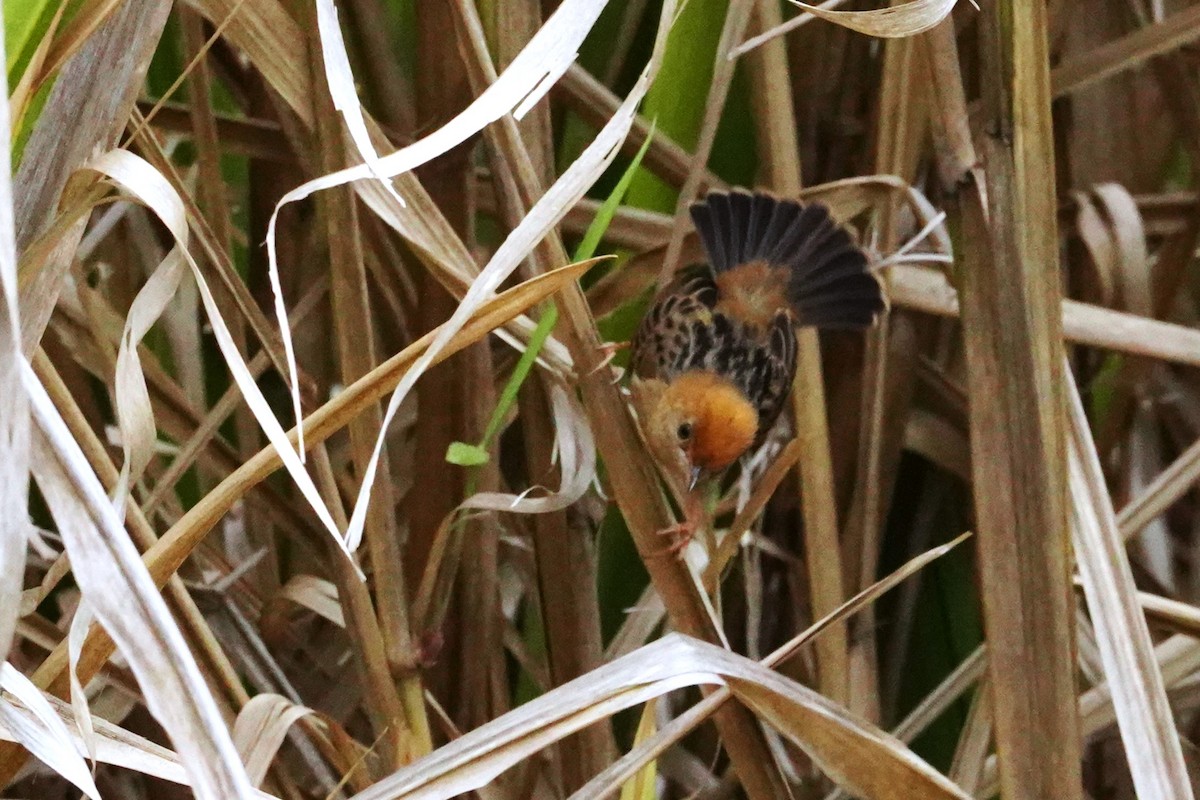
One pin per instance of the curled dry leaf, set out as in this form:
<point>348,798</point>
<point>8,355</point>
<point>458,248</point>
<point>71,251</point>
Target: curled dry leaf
<point>148,185</point>
<point>576,456</point>
<point>893,22</point>
<point>260,728</point>
<point>1098,240</point>
<point>308,591</point>
<point>134,414</point>
<point>1129,238</point>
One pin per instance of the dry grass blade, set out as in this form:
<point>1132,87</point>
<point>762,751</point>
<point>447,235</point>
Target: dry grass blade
<point>1127,52</point>
<point>928,290</point>
<point>1171,614</point>
<point>1171,484</point>
<point>134,414</point>
<point>864,760</point>
<point>1177,658</point>
<point>1018,442</point>
<point>86,109</point>
<point>112,576</point>
<point>1147,726</point>
<point>14,412</point>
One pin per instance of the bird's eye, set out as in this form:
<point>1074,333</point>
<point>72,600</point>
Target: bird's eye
<point>684,432</point>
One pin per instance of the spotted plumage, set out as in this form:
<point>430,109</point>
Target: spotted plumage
<point>715,355</point>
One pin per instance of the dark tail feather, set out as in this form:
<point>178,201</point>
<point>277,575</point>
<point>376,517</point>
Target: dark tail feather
<point>830,284</point>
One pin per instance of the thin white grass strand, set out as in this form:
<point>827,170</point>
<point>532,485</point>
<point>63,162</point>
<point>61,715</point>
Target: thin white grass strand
<point>577,463</point>
<point>341,82</point>
<point>76,635</point>
<point>541,219</point>
<point>526,80</point>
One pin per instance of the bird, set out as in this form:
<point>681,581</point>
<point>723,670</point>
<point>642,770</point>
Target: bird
<point>714,357</point>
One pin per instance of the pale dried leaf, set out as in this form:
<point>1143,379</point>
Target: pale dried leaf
<point>134,415</point>
<point>115,745</point>
<point>828,733</point>
<point>541,219</point>
<point>81,622</point>
<point>315,594</point>
<point>1129,237</point>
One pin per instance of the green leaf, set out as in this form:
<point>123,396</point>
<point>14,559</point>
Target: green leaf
<point>25,21</point>
<point>586,249</point>
<point>509,395</point>
<point>466,455</point>
<point>680,92</point>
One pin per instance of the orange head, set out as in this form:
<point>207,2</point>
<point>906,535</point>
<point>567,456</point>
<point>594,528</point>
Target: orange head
<point>701,423</point>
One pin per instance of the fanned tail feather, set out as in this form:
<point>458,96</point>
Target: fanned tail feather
<point>830,285</point>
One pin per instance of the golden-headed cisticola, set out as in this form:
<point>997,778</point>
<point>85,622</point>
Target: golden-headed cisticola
<point>714,358</point>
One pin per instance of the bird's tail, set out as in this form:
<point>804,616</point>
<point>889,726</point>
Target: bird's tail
<point>829,286</point>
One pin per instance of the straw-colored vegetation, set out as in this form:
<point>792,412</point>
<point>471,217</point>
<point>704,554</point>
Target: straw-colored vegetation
<point>965,564</point>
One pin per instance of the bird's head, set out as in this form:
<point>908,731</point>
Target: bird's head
<point>700,424</point>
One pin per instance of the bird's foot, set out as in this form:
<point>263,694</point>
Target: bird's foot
<point>609,350</point>
<point>678,536</point>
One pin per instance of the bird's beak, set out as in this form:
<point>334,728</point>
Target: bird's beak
<point>695,477</point>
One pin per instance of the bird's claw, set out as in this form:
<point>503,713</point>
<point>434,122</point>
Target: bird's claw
<point>609,350</point>
<point>679,536</point>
